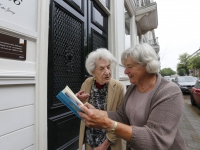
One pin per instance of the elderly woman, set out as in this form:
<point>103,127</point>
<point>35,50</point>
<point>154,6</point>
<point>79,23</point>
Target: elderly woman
<point>104,93</point>
<point>149,115</point>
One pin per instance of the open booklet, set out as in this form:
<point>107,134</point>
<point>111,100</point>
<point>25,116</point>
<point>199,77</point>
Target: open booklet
<point>69,99</point>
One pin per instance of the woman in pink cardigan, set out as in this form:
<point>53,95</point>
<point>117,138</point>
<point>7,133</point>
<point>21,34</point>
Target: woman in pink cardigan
<point>149,116</point>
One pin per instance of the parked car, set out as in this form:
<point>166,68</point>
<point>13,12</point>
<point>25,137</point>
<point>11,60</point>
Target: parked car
<point>185,83</point>
<point>167,77</point>
<point>195,94</point>
<point>172,79</point>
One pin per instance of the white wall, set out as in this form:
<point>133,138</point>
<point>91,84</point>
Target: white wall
<point>17,78</point>
<point>121,46</point>
<point>116,29</point>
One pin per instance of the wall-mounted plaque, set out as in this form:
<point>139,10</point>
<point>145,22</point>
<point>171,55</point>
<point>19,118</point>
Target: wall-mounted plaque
<point>12,47</point>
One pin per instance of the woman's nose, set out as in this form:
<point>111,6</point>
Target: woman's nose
<point>106,71</point>
<point>125,71</point>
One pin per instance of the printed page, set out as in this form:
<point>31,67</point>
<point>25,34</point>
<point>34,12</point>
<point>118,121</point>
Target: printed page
<point>71,95</point>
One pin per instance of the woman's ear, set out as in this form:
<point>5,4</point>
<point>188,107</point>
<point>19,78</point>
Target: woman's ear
<point>92,72</point>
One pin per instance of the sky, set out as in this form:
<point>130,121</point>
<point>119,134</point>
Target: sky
<point>178,30</point>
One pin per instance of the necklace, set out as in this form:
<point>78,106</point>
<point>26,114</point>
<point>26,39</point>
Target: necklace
<point>95,100</point>
<point>148,86</point>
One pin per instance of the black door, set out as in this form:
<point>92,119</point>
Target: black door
<point>97,27</point>
<point>76,28</point>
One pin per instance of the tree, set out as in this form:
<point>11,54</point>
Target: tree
<point>183,66</point>
<point>194,62</point>
<point>181,72</point>
<point>167,72</point>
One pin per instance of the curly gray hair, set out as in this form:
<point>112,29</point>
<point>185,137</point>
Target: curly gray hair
<point>101,53</point>
<point>145,55</point>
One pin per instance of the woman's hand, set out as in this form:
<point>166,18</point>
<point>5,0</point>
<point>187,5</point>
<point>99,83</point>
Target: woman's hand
<point>89,106</point>
<point>95,118</point>
<point>103,146</point>
<point>82,96</point>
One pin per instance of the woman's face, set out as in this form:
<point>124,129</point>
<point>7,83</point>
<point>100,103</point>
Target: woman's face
<point>135,71</point>
<point>102,71</point>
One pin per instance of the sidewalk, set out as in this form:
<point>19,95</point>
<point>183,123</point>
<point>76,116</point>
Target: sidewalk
<point>190,125</point>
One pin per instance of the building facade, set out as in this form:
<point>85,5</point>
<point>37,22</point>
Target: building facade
<point>43,45</point>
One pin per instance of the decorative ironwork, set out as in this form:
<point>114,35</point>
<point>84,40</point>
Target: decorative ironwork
<point>67,52</point>
<point>98,41</point>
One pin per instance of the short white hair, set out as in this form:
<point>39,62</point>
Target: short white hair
<point>101,53</point>
<point>145,55</point>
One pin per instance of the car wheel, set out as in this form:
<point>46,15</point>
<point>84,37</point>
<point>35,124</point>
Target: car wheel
<point>192,100</point>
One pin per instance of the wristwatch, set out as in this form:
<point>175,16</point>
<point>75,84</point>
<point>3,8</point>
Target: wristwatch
<point>114,128</point>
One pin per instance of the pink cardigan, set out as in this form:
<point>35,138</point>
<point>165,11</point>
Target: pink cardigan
<point>161,130</point>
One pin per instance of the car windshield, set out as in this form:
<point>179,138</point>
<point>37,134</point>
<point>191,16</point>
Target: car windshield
<point>186,79</point>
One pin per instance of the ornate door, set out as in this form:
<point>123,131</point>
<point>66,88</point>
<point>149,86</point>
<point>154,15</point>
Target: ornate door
<point>74,31</point>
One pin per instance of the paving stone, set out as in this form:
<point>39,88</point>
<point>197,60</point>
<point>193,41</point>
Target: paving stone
<point>194,121</point>
<point>185,123</point>
<point>190,125</point>
<point>193,144</point>
<point>189,131</point>
<point>196,127</point>
<point>182,126</point>
<point>186,136</point>
<point>184,120</point>
<point>198,132</point>
<point>193,149</point>
<point>195,138</point>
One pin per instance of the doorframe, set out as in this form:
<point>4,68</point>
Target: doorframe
<point>41,75</point>
<point>116,32</point>
<point>42,58</point>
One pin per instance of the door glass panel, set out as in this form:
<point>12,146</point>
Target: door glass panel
<point>106,2</point>
<point>98,18</point>
<point>98,40</point>
<point>78,3</point>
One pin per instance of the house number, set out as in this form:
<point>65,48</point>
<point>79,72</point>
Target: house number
<point>17,2</point>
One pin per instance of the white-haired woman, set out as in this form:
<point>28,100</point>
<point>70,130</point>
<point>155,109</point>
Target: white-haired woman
<point>149,115</point>
<point>104,93</point>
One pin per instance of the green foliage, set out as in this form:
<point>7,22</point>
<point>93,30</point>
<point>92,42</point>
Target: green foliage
<point>184,65</point>
<point>191,63</point>
<point>188,62</point>
<point>167,72</point>
<point>195,61</point>
<point>181,72</point>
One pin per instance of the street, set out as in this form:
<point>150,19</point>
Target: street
<point>190,124</point>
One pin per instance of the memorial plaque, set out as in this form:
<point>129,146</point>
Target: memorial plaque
<point>12,47</point>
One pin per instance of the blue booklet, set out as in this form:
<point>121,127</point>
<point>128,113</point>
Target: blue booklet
<point>69,99</point>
